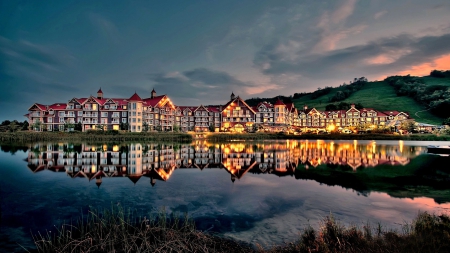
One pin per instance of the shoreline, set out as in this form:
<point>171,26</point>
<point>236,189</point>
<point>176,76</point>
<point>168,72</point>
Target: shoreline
<point>122,231</point>
<point>194,136</point>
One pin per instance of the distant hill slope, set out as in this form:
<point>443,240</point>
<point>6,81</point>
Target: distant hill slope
<point>380,96</point>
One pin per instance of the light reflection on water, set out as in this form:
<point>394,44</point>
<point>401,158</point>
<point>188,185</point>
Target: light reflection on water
<point>261,192</point>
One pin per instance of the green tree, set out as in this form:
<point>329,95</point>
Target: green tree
<point>25,125</point>
<point>176,128</point>
<point>145,126</point>
<point>158,128</point>
<point>68,126</point>
<point>408,125</point>
<point>13,126</point>
<point>211,127</point>
<point>78,127</point>
<point>37,125</point>
<point>446,121</point>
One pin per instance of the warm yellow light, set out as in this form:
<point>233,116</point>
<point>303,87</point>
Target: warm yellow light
<point>115,148</point>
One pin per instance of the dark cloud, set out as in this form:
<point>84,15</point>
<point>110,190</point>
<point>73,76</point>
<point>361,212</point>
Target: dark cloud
<point>394,53</point>
<point>203,84</point>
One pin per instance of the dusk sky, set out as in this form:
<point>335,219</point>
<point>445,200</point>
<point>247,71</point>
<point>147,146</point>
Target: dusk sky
<point>198,52</point>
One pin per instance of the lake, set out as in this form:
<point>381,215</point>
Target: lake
<point>258,192</point>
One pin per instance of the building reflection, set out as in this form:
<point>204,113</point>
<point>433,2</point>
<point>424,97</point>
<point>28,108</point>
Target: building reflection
<point>157,162</point>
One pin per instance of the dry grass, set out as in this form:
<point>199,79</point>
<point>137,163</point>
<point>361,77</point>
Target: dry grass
<point>118,231</point>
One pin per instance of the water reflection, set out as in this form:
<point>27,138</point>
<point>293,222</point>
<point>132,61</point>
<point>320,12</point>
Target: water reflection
<point>159,161</point>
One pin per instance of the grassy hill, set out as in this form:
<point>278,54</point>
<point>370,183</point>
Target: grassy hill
<point>381,96</point>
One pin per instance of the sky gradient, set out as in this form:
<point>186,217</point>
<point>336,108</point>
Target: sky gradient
<point>198,52</point>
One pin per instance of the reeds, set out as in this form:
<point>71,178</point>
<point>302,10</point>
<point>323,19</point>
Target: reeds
<point>117,230</point>
<point>427,233</point>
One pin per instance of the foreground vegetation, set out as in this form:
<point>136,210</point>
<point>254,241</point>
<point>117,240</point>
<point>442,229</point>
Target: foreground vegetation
<point>118,231</point>
<point>276,136</point>
<point>28,136</point>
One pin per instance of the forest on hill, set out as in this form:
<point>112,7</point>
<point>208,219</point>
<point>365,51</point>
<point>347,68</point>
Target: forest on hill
<point>425,98</point>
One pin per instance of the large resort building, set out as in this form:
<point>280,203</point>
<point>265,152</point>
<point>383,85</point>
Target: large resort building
<point>158,113</point>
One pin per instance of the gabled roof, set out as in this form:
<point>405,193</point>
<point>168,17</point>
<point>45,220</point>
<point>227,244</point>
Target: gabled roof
<point>153,101</point>
<point>267,105</point>
<point>57,106</point>
<point>213,108</point>
<point>135,97</point>
<point>200,107</point>
<point>279,102</point>
<point>39,106</point>
<point>241,100</point>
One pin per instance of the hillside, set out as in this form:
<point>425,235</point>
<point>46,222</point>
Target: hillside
<point>380,96</point>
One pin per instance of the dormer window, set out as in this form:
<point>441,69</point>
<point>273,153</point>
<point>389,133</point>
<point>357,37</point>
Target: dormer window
<point>124,107</point>
<point>106,106</point>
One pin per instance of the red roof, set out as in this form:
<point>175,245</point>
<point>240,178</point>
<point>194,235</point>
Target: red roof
<point>213,108</point>
<point>135,97</point>
<point>153,101</point>
<point>100,91</point>
<point>57,106</point>
<point>279,102</point>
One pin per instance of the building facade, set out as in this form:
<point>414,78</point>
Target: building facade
<point>158,113</point>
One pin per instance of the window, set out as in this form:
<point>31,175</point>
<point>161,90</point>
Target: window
<point>78,106</point>
<point>124,114</point>
<point>133,106</point>
<point>124,107</point>
<point>80,113</point>
<point>104,114</point>
<point>50,120</point>
<point>61,120</point>
<point>133,113</point>
<point>61,114</point>
<point>106,106</point>
<point>134,120</point>
<point>124,120</point>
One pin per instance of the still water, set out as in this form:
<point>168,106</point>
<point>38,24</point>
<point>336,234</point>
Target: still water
<point>258,192</point>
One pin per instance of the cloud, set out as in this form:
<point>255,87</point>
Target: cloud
<point>332,27</point>
<point>212,84</point>
<point>379,14</point>
<point>373,58</point>
<point>105,26</point>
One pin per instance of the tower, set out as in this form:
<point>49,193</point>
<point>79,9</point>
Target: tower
<point>153,94</point>
<point>100,94</point>
<point>232,96</point>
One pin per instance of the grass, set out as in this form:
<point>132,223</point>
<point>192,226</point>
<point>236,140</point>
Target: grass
<point>118,231</point>
<point>29,136</point>
<point>220,137</point>
<point>380,96</point>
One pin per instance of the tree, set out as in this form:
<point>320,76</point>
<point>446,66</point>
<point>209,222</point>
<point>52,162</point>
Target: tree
<point>446,121</point>
<point>158,128</point>
<point>13,126</point>
<point>124,126</point>
<point>145,126</point>
<point>408,125</point>
<point>37,125</point>
<point>25,125</point>
<point>331,107</point>
<point>100,127</point>
<point>78,127</point>
<point>68,126</point>
<point>176,128</point>
<point>211,127</point>
<point>6,123</point>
